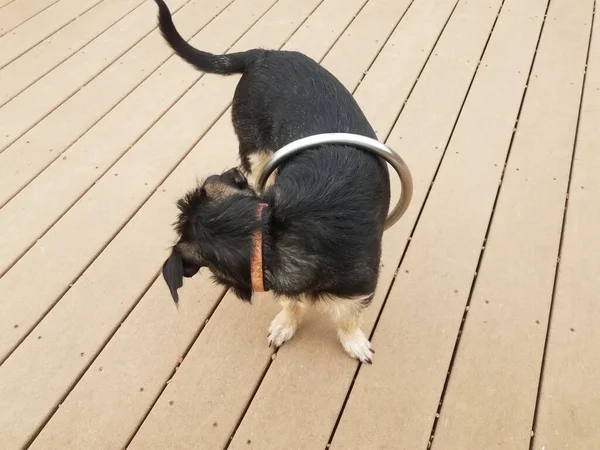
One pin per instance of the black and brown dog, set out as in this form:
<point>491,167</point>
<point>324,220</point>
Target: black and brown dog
<point>314,236</point>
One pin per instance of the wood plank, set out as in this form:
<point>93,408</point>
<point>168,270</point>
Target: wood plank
<point>30,214</point>
<point>20,11</point>
<point>51,283</point>
<point>128,363</point>
<point>403,55</point>
<point>40,99</point>
<point>207,417</point>
<point>199,408</point>
<point>490,399</point>
<point>52,363</point>
<point>395,400</point>
<point>104,144</point>
<point>45,142</point>
<point>154,339</point>
<point>27,216</point>
<point>4,3</point>
<point>32,32</point>
<point>311,373</point>
<point>308,375</point>
<point>568,407</point>
<point>25,70</point>
<point>364,35</point>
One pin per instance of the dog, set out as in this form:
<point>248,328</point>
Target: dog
<point>313,237</point>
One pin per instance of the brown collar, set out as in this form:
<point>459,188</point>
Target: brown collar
<point>256,261</point>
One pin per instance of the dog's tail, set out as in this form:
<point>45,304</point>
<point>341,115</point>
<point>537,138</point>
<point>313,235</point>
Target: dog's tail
<point>204,61</point>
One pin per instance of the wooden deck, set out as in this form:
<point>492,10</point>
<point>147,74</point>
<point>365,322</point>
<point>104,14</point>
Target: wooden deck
<point>485,322</point>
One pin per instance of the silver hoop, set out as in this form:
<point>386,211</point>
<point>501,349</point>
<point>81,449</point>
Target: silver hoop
<point>363,142</point>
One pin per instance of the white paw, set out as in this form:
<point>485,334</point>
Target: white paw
<point>281,330</point>
<point>357,345</point>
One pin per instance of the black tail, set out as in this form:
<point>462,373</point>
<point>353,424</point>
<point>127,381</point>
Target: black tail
<point>204,61</point>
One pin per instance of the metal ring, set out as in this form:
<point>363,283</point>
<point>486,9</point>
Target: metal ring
<point>355,140</point>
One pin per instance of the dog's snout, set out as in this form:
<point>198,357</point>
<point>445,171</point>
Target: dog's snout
<point>213,179</point>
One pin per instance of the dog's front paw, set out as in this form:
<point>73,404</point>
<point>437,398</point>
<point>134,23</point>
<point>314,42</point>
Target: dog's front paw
<point>282,329</point>
<point>357,345</point>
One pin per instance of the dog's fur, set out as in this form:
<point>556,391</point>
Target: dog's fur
<point>327,206</point>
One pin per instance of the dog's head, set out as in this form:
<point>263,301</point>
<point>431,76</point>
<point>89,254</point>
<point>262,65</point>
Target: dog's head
<point>214,229</point>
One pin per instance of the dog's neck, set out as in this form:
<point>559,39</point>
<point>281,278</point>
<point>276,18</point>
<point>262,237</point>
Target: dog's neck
<point>256,258</point>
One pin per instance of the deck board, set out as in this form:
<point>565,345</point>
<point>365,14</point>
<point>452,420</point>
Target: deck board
<point>568,408</point>
<point>75,170</point>
<point>131,340</point>
<point>29,357</point>
<point>4,3</point>
<point>496,396</point>
<point>415,336</point>
<point>102,129</point>
<point>134,162</point>
<point>26,109</point>
<point>38,28</point>
<point>30,67</point>
<point>114,89</point>
<point>247,370</point>
<point>20,11</point>
<point>363,41</point>
<point>312,373</point>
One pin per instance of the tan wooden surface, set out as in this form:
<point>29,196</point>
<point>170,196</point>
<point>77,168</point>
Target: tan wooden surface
<point>102,129</point>
<point>27,69</point>
<point>490,400</point>
<point>147,160</point>
<point>415,337</point>
<point>568,406</point>
<point>4,3</point>
<point>250,372</point>
<point>215,142</point>
<point>35,103</point>
<point>102,196</point>
<point>114,88</point>
<point>41,26</point>
<point>20,11</point>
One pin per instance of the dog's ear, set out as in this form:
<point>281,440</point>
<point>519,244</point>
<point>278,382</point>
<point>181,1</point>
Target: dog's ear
<point>239,178</point>
<point>235,177</point>
<point>173,274</point>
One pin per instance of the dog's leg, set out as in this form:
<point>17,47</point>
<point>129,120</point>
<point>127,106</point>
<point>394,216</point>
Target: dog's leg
<point>347,314</point>
<point>255,164</point>
<point>284,325</point>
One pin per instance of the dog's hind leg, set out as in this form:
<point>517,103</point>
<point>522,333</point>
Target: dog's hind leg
<point>284,325</point>
<point>347,314</point>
